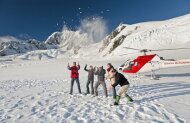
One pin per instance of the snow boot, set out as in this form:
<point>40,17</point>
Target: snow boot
<point>129,99</point>
<point>117,100</point>
<point>86,93</point>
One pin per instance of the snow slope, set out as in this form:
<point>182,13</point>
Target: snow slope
<point>38,91</point>
<point>173,33</point>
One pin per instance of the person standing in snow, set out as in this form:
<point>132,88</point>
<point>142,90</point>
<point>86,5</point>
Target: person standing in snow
<point>74,76</point>
<point>100,72</point>
<point>119,79</point>
<point>90,79</point>
<point>110,67</point>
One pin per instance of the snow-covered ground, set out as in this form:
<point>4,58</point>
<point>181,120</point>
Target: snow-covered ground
<point>38,91</point>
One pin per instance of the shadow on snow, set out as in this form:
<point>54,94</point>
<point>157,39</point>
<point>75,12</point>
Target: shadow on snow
<point>161,90</point>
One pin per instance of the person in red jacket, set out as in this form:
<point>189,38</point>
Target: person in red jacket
<point>74,76</point>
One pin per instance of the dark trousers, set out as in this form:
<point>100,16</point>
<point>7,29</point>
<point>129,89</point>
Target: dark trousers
<point>104,87</point>
<point>91,82</point>
<point>72,83</point>
<point>114,92</point>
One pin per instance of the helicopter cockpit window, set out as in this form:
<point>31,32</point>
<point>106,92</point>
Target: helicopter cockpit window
<point>129,65</point>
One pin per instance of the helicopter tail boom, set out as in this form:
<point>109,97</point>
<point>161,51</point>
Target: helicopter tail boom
<point>178,63</point>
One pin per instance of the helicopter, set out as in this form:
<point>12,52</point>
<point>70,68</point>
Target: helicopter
<point>150,63</point>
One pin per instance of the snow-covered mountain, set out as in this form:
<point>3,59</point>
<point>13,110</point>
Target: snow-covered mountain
<point>171,33</point>
<point>69,40</point>
<point>8,39</point>
<point>66,40</point>
<point>10,45</point>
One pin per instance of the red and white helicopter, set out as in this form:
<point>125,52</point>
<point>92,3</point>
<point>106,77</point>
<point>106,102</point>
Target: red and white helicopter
<point>150,63</point>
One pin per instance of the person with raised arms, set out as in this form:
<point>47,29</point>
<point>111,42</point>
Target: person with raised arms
<point>100,72</point>
<point>74,76</point>
<point>90,80</point>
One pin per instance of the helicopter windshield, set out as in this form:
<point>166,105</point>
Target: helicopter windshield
<point>128,65</point>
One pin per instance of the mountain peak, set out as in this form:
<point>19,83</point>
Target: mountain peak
<point>8,38</point>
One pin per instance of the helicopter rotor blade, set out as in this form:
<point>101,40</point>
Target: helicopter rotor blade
<point>169,49</point>
<point>148,50</point>
<point>128,53</point>
<point>131,48</point>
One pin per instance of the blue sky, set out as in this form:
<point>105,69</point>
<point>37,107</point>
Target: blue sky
<point>39,18</point>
